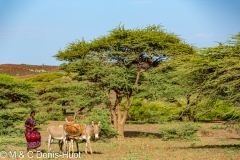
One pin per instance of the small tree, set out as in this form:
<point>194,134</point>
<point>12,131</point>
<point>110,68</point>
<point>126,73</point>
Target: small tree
<point>58,92</point>
<point>16,101</point>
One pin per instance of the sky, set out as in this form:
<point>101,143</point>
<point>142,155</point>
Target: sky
<point>33,31</point>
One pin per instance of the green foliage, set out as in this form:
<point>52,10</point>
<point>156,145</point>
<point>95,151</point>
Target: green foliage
<point>224,80</point>
<point>205,132</point>
<point>115,62</point>
<point>174,80</point>
<point>50,96</point>
<point>218,127</point>
<point>46,77</point>
<point>184,131</point>
<point>223,111</point>
<point>10,119</point>
<point>55,116</point>
<point>16,100</point>
<point>4,148</point>
<point>65,93</point>
<point>14,91</point>
<point>211,75</point>
<point>122,45</point>
<point>153,112</point>
<point>102,116</point>
<point>145,135</point>
<point>42,117</point>
<point>10,141</point>
<point>13,132</point>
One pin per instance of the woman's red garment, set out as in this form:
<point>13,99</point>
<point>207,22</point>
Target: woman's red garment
<point>33,137</point>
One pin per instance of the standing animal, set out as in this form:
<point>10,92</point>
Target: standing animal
<point>89,131</point>
<point>57,132</point>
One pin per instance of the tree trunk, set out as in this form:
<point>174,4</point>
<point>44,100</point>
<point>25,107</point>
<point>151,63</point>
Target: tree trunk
<point>115,124</point>
<point>123,117</point>
<point>119,118</point>
<point>120,131</point>
<point>121,123</point>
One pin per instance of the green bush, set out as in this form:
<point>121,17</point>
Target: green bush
<point>218,111</point>
<point>236,114</point>
<point>153,112</point>
<point>43,117</point>
<point>218,127</point>
<point>16,100</point>
<point>46,77</point>
<point>155,116</point>
<point>183,131</point>
<point>222,111</point>
<point>13,132</point>
<point>9,119</point>
<point>3,147</point>
<point>12,141</point>
<point>102,116</point>
<point>55,116</point>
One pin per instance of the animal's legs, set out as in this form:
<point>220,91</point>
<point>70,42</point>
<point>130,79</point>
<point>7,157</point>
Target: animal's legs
<point>70,149</point>
<point>90,146</point>
<point>60,143</point>
<point>64,143</point>
<point>49,142</point>
<point>72,145</point>
<point>77,145</point>
<point>86,147</point>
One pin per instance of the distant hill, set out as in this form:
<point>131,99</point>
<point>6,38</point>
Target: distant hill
<point>25,69</point>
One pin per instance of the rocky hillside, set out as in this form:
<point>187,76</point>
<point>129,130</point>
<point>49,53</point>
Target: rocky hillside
<point>25,69</point>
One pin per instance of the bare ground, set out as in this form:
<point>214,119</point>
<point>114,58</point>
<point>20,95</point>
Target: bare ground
<point>143,142</point>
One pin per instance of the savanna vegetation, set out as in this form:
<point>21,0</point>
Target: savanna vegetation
<point>129,76</point>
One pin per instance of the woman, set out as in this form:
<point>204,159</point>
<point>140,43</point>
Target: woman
<point>33,137</point>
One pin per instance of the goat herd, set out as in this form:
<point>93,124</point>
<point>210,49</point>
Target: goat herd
<point>71,132</point>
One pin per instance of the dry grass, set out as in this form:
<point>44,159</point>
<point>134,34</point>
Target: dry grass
<point>142,142</point>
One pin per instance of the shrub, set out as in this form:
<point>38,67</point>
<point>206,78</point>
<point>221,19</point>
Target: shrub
<point>184,131</point>
<point>56,116</point>
<point>102,116</point>
<point>154,116</point>
<point>205,132</point>
<point>153,112</point>
<point>217,127</point>
<point>43,117</point>
<point>45,77</point>
<point>9,119</point>
<point>218,111</point>
<point>12,141</point>
<point>3,147</point>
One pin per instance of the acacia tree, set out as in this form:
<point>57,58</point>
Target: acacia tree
<point>209,76</point>
<point>16,101</point>
<point>58,92</point>
<point>115,62</point>
<point>224,83</point>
